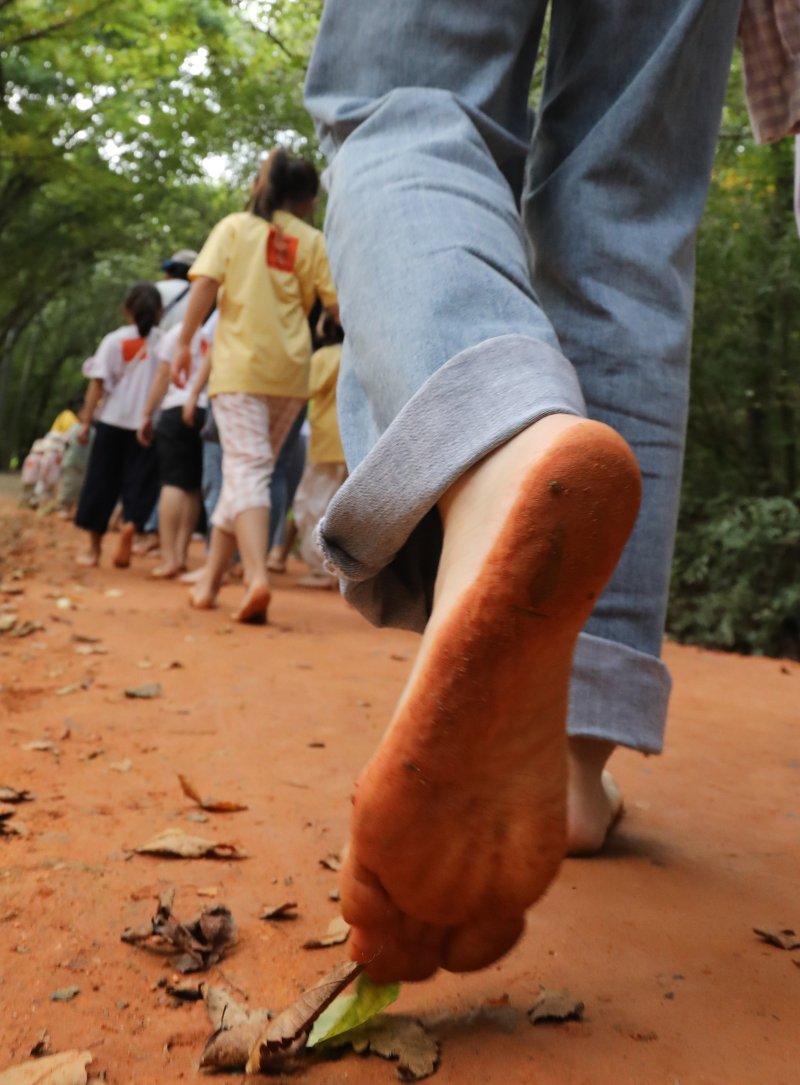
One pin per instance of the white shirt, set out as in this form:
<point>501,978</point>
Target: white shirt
<point>165,351</point>
<point>126,364</point>
<point>170,290</point>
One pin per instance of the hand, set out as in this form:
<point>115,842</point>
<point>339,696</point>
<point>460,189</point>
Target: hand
<point>181,366</point>
<point>83,435</point>
<point>145,432</point>
<point>187,412</point>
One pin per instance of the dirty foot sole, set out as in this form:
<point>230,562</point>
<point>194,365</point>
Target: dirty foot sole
<point>459,820</point>
<point>253,610</point>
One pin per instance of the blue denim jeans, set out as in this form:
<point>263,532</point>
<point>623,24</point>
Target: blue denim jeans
<point>494,268</point>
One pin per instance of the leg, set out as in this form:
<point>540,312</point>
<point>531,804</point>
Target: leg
<point>465,364</point>
<point>319,483</point>
<point>243,505</point>
<point>171,514</point>
<point>602,143</point>
<point>101,488</point>
<point>139,494</point>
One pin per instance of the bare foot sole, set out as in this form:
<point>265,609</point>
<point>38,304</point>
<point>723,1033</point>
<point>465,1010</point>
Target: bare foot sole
<point>122,557</point>
<point>87,561</point>
<point>459,820</point>
<point>253,610</point>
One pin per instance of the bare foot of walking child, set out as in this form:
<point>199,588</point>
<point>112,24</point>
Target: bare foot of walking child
<point>460,819</point>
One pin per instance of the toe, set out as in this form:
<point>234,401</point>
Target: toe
<point>480,943</point>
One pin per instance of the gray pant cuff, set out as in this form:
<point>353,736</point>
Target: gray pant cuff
<point>381,534</point>
<point>618,694</point>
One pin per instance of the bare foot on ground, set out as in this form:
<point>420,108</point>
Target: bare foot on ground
<point>167,572</point>
<point>253,610</point>
<point>122,557</point>
<point>459,819</point>
<point>594,802</point>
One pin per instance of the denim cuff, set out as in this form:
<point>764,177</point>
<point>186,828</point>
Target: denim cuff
<point>618,694</point>
<point>381,533</point>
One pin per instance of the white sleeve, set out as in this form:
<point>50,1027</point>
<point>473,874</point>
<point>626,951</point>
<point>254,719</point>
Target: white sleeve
<point>106,364</point>
<point>164,347</point>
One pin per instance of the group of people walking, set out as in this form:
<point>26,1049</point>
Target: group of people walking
<point>221,350</point>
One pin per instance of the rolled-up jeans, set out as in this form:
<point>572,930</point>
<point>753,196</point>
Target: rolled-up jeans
<point>494,268</point>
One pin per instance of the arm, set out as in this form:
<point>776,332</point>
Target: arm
<point>201,380</point>
<point>201,298</point>
<point>93,396</point>
<point>158,389</point>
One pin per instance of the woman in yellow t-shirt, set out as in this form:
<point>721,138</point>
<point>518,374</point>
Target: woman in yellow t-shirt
<point>265,267</point>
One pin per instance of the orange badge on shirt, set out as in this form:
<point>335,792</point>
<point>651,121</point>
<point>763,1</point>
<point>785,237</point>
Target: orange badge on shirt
<point>134,350</point>
<point>281,250</point>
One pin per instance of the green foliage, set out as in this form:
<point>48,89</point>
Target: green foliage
<point>734,585</point>
<point>110,113</point>
<point>735,578</point>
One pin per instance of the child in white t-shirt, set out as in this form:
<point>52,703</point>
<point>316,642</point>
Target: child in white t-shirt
<point>180,450</point>
<point>121,373</point>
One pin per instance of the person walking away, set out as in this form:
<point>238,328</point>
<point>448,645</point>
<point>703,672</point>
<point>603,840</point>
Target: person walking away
<point>265,267</point>
<point>325,467</point>
<point>180,452</point>
<point>121,373</point>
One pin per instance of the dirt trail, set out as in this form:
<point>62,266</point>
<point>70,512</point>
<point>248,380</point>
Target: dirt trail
<point>655,937</point>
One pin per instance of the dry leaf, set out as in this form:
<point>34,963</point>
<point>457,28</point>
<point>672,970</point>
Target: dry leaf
<point>85,638</point>
<point>785,939</point>
<point>224,1010</point>
<point>66,1068</point>
<point>113,593</point>
<point>176,844</point>
<point>43,1045</point>
<point>121,766</point>
<point>286,1034</point>
<point>394,1036</point>
<point>91,650</point>
<point>338,931</point>
<point>13,795</point>
<point>201,941</point>
<point>7,622</point>
<point>64,603</point>
<point>288,910</point>
<point>6,828</point>
<point>65,994</point>
<point>553,1006</point>
<point>27,628</point>
<point>216,806</point>
<point>331,861</point>
<point>145,692</point>
<point>185,992</point>
<point>236,1030</point>
<point>68,689</point>
<point>11,589</point>
<point>43,745</point>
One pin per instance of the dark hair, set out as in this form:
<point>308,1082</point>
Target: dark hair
<point>144,304</point>
<point>283,179</point>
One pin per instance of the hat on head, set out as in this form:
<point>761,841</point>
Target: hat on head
<point>183,258</point>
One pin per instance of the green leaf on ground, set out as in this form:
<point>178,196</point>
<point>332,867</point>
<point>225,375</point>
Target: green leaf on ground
<point>349,1011</point>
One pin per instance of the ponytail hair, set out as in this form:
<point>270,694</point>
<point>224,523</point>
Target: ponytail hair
<point>284,179</point>
<point>143,303</point>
